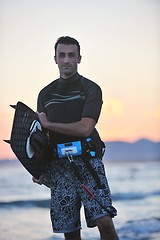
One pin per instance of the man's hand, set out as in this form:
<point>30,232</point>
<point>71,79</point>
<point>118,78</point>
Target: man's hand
<point>38,181</point>
<point>43,119</point>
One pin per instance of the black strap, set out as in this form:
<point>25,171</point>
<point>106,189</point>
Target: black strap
<point>88,147</point>
<point>92,170</point>
<point>110,210</point>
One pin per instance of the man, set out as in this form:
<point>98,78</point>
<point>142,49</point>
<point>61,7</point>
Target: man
<point>69,108</point>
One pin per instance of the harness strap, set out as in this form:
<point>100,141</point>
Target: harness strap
<point>89,167</point>
<point>110,210</point>
<point>92,170</point>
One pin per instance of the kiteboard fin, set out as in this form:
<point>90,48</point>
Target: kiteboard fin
<point>7,141</point>
<point>13,106</point>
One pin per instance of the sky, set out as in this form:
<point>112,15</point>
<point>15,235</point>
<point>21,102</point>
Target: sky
<point>120,52</point>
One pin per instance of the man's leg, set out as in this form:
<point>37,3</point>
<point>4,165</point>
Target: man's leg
<point>76,235</point>
<point>106,228</point>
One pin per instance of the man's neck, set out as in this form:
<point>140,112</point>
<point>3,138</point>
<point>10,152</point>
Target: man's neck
<point>67,76</point>
<point>71,79</point>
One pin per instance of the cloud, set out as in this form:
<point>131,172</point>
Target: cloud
<point>112,107</point>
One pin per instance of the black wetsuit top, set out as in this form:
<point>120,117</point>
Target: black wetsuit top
<point>69,100</point>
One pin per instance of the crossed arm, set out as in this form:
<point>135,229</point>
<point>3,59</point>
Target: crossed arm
<point>82,128</point>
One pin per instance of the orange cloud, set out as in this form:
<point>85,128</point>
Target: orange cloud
<point>126,122</point>
<point>112,107</point>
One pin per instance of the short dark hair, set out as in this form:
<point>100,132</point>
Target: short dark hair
<point>67,40</point>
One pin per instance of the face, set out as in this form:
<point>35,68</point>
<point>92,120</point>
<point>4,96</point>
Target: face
<point>67,59</point>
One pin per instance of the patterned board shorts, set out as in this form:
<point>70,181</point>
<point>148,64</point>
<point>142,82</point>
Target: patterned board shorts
<point>67,195</point>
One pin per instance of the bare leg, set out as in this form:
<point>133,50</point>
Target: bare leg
<point>76,235</point>
<point>107,229</point>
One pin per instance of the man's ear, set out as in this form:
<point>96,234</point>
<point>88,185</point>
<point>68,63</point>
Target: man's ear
<point>55,59</point>
<point>79,60</point>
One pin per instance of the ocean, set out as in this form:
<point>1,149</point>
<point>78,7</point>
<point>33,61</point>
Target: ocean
<point>135,187</point>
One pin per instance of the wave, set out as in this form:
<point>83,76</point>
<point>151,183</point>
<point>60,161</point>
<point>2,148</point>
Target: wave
<point>141,229</point>
<point>46,203</point>
<point>26,203</point>
<point>134,196</point>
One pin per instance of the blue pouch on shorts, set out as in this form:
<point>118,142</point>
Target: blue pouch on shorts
<point>70,148</point>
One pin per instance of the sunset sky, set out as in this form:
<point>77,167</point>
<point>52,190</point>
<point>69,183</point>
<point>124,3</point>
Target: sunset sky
<point>120,47</point>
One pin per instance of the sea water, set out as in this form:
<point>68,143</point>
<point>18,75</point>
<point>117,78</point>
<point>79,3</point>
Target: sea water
<point>24,206</point>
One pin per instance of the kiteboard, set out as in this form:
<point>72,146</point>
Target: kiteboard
<point>25,123</point>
